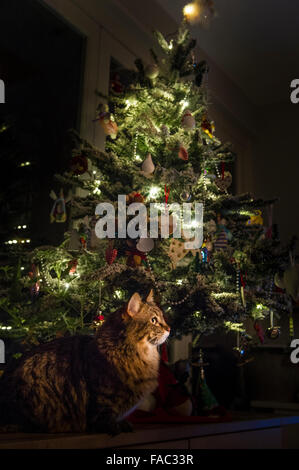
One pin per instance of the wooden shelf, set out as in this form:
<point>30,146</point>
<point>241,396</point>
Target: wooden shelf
<point>246,431</point>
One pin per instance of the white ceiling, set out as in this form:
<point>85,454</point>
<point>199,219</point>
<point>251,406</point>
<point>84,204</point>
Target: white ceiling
<point>255,42</point>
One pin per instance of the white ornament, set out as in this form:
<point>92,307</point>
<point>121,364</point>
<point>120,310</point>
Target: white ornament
<point>145,245</point>
<point>188,121</point>
<point>148,166</point>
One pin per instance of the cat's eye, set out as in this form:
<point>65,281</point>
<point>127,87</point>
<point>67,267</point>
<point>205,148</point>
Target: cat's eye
<point>154,320</point>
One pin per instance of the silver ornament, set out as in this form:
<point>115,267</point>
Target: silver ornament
<point>185,196</point>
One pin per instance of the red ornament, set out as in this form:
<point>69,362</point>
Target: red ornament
<point>259,331</point>
<point>111,254</point>
<point>79,164</point>
<point>83,241</point>
<point>115,85</point>
<point>183,153</point>
<point>135,197</point>
<point>73,266</point>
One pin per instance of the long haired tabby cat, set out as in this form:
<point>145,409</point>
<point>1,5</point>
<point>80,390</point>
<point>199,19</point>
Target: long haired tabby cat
<point>87,383</point>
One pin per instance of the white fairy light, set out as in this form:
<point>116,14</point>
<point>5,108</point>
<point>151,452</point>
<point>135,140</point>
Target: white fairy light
<point>184,103</point>
<point>154,191</point>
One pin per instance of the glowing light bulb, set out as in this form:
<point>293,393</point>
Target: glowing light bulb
<point>185,103</point>
<point>138,158</point>
<point>118,294</point>
<point>154,191</point>
<point>191,11</point>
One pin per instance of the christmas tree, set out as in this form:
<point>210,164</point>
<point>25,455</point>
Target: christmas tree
<point>161,148</point>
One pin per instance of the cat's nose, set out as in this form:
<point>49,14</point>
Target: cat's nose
<point>167,328</point>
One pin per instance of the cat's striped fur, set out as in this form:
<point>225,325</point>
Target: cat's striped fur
<point>84,383</point>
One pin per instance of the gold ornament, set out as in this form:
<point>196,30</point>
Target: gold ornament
<point>256,219</point>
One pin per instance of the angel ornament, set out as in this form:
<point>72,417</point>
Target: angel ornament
<point>58,212</point>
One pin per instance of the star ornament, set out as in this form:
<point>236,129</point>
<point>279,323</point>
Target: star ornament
<point>177,250</point>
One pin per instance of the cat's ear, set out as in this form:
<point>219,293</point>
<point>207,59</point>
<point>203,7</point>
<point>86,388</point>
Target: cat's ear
<point>134,304</point>
<point>150,298</point>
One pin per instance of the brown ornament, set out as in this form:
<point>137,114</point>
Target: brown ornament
<point>225,182</point>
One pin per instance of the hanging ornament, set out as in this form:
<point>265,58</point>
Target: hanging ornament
<point>242,290</point>
<point>188,121</point>
<point>185,196</point>
<point>148,166</point>
<point>204,253</point>
<point>242,348</point>
<point>256,219</point>
<point>207,126</point>
<point>111,253</point>
<point>183,153</point>
<point>34,276</point>
<point>177,251</point>
<point>73,266</point>
<point>115,84</point>
<point>259,331</point>
<point>79,164</point>
<point>85,233</point>
<point>145,245</point>
<point>223,182</point>
<point>273,332</point>
<point>152,71</point>
<point>58,212</point>
<point>107,121</point>
<point>135,258</point>
<point>83,240</point>
<point>221,242</point>
<point>135,197</point>
<point>223,235</point>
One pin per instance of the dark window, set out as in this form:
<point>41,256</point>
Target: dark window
<point>41,64</point>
